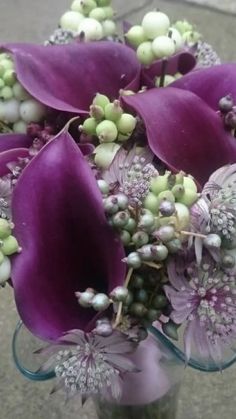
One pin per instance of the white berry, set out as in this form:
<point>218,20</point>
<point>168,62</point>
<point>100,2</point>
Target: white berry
<point>71,20</point>
<point>163,46</point>
<point>155,24</point>
<point>177,38</point>
<point>91,28</point>
<point>32,111</point>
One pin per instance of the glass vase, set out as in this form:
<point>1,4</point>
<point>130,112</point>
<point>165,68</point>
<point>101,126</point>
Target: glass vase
<point>151,393</point>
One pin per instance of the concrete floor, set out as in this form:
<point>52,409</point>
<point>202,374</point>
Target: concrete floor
<point>202,396</point>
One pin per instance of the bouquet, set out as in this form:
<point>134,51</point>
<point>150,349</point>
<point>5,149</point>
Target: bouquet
<point>118,192</point>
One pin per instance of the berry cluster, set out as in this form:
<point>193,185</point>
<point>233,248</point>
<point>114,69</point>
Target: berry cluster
<point>17,107</point>
<point>90,18</point>
<point>228,110</point>
<point>8,246</point>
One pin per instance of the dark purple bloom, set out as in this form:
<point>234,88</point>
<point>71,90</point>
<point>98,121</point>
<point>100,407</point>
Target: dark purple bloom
<point>90,365</point>
<point>66,242</point>
<point>204,298</point>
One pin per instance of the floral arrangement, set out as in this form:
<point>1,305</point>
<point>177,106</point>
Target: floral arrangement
<point>118,192</point>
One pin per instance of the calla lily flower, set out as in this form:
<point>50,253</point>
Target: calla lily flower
<point>57,207</point>
<point>65,239</point>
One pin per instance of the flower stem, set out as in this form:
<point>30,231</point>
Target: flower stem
<point>190,233</point>
<point>120,306</point>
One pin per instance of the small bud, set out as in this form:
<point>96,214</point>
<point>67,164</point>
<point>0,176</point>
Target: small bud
<point>106,131</point>
<point>98,13</point>
<point>160,252</point>
<point>100,302</point>
<point>103,186</point>
<point>89,126</point>
<point>105,153</point>
<point>96,112</point>
<point>5,228</point>
<point>122,200</point>
<point>160,301</point>
<point>212,241</point>
<point>145,252</point>
<point>110,204</point>
<point>113,111</point>
<point>165,233</point>
<point>120,219</point>
<point>91,28</point>
<point>129,299</point>
<point>133,260</point>
<point>170,329</point>
<point>119,294</point>
<point>226,104</point>
<point>85,298</point>
<point>9,246</point>
<point>138,310</point>
<point>101,100</point>
<point>167,208</point>
<point>140,238</point>
<point>125,237</point>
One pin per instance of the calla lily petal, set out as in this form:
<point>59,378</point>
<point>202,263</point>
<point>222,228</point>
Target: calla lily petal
<point>211,84</point>
<point>11,156</point>
<point>10,141</point>
<point>57,77</point>
<point>183,131</point>
<point>183,62</point>
<point>65,239</point>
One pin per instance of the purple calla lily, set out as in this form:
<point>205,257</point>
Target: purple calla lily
<point>57,77</point>
<point>65,239</point>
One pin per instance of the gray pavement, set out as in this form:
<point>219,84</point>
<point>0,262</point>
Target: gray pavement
<point>203,396</point>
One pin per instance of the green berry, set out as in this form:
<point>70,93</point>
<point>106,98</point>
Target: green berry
<point>109,28</point>
<point>140,238</point>
<point>105,153</point>
<point>171,330</point>
<point>98,13</point>
<point>183,26</point>
<point>147,221</point>
<point>189,183</point>
<point>113,111</point>
<point>159,184</point>
<point>141,296</point>
<point>89,126</point>
<point>7,63</point>
<point>138,310</point>
<point>163,46</point>
<point>122,138</point>
<point>5,228</point>
<point>155,24</point>
<point>123,201</point>
<point>101,100</point>
<point>119,294</point>
<point>96,112</point>
<point>212,241</point>
<point>85,298</point>
<point>103,3</point>
<point>182,215</point>
<point>103,186</point>
<point>165,196</point>
<point>9,246</point>
<point>6,93</point>
<point>228,261</point>
<point>109,12</point>
<point>100,302</point>
<point>151,203</point>
<point>137,282</point>
<point>160,252</point>
<point>145,252</point>
<point>152,315</point>
<point>166,233</point>
<point>9,77</point>
<point>174,246</point>
<point>133,260</point>
<point>131,225</point>
<point>125,237</point>
<point>189,197</point>
<point>19,92</point>
<point>136,35</point>
<point>126,123</point>
<point>160,301</point>
<point>71,20</point>
<point>145,53</point>
<point>120,219</point>
<point>110,205</point>
<point>106,131</point>
<point>178,191</point>
<point>191,37</point>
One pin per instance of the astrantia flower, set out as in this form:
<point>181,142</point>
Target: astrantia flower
<point>89,365</point>
<point>204,298</point>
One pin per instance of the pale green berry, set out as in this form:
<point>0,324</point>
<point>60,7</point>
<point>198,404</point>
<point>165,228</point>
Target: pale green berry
<point>32,111</point>
<point>122,201</point>
<point>19,92</point>
<point>101,100</point>
<point>163,46</point>
<point>89,126</point>
<point>212,241</point>
<point>189,183</point>
<point>159,184</point>
<point>140,238</point>
<point>182,215</point>
<point>191,37</point>
<point>179,178</point>
<point>119,294</point>
<point>110,205</point>
<point>155,24</point>
<point>71,20</point>
<point>120,219</point>
<point>2,70</point>
<point>105,153</point>
<point>9,246</point>
<point>11,111</point>
<point>103,186</point>
<point>183,26</point>
<point>9,77</point>
<point>151,203</point>
<point>131,225</point>
<point>5,228</point>
<point>136,35</point>
<point>102,3</point>
<point>106,131</point>
<point>76,6</point>
<point>168,79</point>
<point>7,63</point>
<point>189,197</point>
<point>176,37</point>
<point>147,221</point>
<point>174,245</point>
<point>5,270</point>
<point>165,196</point>
<point>1,258</point>
<point>85,298</point>
<point>160,252</point>
<point>91,28</point>
<point>122,138</point>
<point>145,53</point>
<point>126,123</point>
<point>125,237</point>
<point>109,12</point>
<point>98,13</point>
<point>84,6</point>
<point>2,84</point>
<point>166,233</point>
<point>178,191</point>
<point>113,111</point>
<point>100,302</point>
<point>96,112</point>
<point>6,93</point>
<point>171,330</point>
<point>145,252</point>
<point>20,127</point>
<point>109,27</point>
<point>133,260</point>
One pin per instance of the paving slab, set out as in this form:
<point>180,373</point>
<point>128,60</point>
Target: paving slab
<point>203,396</point>
<point>228,6</point>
